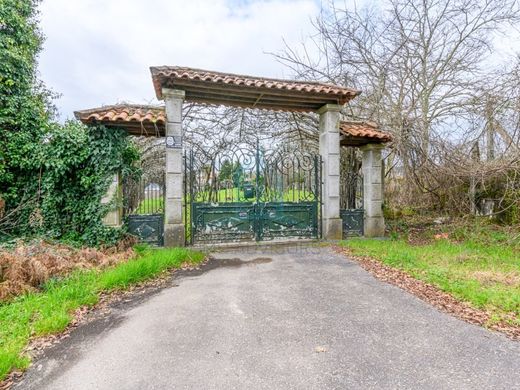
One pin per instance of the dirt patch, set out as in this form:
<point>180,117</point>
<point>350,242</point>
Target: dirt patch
<point>27,266</point>
<point>433,295</point>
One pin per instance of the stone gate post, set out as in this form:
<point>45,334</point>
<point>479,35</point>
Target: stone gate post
<point>173,225</point>
<point>373,190</point>
<point>329,151</point>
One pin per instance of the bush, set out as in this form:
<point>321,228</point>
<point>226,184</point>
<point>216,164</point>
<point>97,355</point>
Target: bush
<point>60,190</point>
<point>52,176</point>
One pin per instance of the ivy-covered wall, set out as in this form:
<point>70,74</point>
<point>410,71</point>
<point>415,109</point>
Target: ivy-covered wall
<point>52,176</point>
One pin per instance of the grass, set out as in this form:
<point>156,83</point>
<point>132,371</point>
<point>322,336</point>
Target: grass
<point>485,273</point>
<point>151,206</point>
<point>51,310</point>
<point>156,205</point>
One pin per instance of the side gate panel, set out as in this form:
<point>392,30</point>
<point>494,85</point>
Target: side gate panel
<point>143,202</point>
<point>353,222</point>
<point>149,228</point>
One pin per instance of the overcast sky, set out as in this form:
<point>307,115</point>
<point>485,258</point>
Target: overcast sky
<point>99,51</point>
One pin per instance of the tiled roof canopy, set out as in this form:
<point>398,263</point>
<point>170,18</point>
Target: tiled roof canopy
<point>136,119</point>
<point>210,87</point>
<point>142,120</point>
<point>361,133</point>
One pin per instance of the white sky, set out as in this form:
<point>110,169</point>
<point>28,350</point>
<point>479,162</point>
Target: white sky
<point>99,51</point>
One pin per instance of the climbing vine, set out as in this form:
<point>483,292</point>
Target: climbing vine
<point>58,194</point>
<point>52,176</point>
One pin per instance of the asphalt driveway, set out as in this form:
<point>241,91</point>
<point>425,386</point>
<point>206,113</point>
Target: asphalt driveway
<point>285,318</point>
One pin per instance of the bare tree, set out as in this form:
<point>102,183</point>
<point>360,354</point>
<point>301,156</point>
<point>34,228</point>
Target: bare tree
<point>424,68</point>
<point>416,62</point>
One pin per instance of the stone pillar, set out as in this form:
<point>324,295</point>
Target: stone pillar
<point>113,217</point>
<point>173,225</point>
<point>373,190</point>
<point>329,151</point>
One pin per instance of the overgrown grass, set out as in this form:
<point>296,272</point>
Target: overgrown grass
<point>51,310</point>
<point>487,275</point>
<point>468,229</point>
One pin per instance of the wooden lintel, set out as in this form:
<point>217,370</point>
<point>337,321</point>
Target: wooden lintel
<point>227,89</point>
<point>147,129</point>
<point>263,103</point>
<point>249,104</point>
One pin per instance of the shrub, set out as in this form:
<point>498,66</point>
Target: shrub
<point>52,176</point>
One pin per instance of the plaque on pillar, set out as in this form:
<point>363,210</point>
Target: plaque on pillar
<point>174,142</point>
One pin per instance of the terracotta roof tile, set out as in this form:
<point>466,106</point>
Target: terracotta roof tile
<point>362,133</point>
<point>151,120</point>
<point>259,92</point>
<point>137,119</point>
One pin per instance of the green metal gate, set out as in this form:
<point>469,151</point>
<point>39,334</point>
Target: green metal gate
<point>144,208</point>
<point>245,193</point>
<point>351,202</point>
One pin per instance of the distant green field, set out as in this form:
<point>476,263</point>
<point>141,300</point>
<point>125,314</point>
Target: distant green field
<point>155,206</point>
<point>151,206</point>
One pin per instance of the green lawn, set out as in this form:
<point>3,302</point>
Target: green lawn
<point>50,311</point>
<point>152,206</point>
<point>237,195</point>
<point>485,275</point>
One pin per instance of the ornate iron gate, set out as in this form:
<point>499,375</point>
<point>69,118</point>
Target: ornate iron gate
<point>353,222</point>
<point>245,193</point>
<point>351,202</point>
<point>144,209</point>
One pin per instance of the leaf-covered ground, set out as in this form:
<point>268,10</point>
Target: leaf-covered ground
<point>470,271</point>
<point>29,265</point>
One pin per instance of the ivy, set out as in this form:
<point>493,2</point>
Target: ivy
<point>52,176</point>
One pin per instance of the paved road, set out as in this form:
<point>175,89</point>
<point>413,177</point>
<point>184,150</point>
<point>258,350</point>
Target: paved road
<point>289,318</point>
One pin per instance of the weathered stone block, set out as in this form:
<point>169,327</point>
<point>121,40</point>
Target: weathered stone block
<point>113,218</point>
<point>377,162</point>
<point>173,129</point>
<point>174,161</point>
<point>331,208</point>
<point>174,235</point>
<point>374,227</point>
<point>376,175</point>
<point>374,208</point>
<point>377,193</point>
<point>329,118</point>
<point>333,144</point>
<point>173,211</point>
<point>332,229</point>
<point>333,165</point>
<point>174,186</point>
<point>373,192</point>
<point>173,100</point>
<point>332,186</point>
